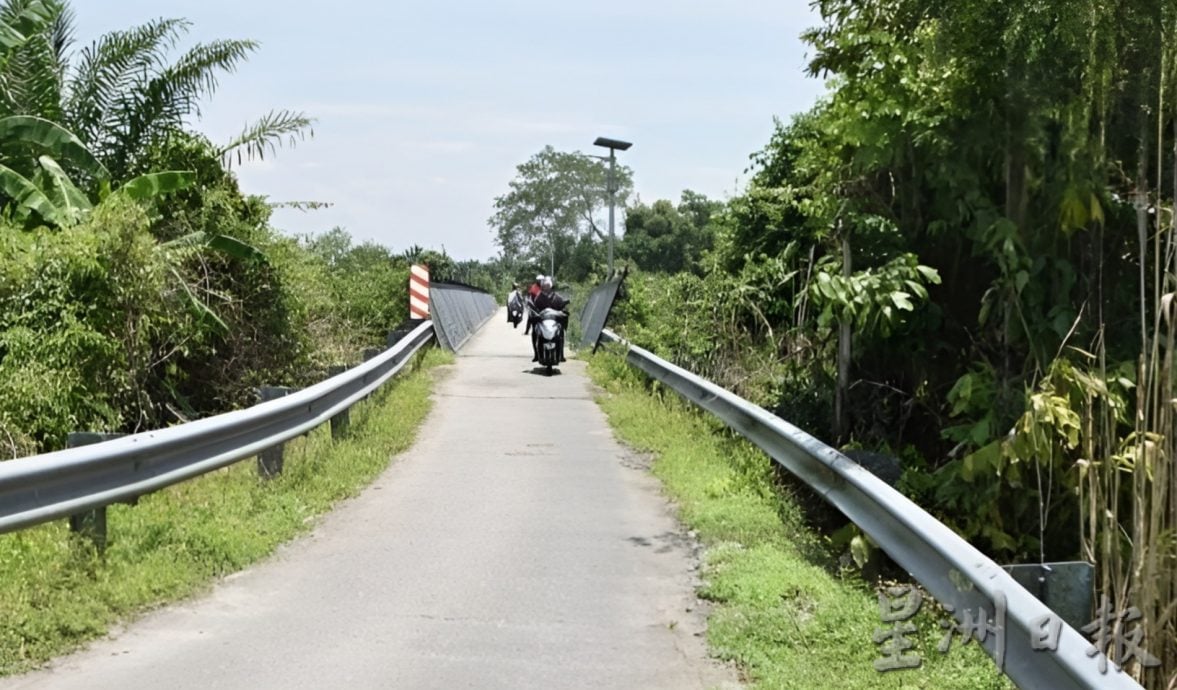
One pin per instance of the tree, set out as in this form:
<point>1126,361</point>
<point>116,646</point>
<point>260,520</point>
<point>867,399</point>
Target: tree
<point>555,198</point>
<point>1024,152</point>
<point>124,93</point>
<point>668,239</point>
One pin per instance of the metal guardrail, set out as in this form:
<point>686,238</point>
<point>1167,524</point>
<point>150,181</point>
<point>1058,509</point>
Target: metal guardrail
<point>55,485</point>
<point>458,312</point>
<point>952,570</point>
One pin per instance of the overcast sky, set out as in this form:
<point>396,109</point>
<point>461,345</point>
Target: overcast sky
<point>425,108</point>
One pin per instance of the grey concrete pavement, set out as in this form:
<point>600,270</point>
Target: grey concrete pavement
<point>516,545</point>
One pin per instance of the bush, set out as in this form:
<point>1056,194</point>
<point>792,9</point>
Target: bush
<point>80,313</point>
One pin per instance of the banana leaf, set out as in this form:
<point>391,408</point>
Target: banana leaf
<point>152,185</point>
<point>52,138</point>
<point>62,192</point>
<point>26,195</point>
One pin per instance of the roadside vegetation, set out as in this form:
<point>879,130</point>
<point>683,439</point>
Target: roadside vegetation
<point>140,286</point>
<point>781,610</point>
<point>964,257</point>
<point>57,593</point>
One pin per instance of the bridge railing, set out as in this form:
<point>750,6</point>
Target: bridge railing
<point>73,481</point>
<point>458,312</point>
<point>959,576</point>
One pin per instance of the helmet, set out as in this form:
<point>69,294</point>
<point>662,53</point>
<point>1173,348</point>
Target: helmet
<point>546,283</point>
<point>539,278</point>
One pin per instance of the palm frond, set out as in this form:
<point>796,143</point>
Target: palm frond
<point>61,35</point>
<point>266,135</point>
<point>194,75</point>
<point>31,75</point>
<point>9,36</point>
<point>303,206</point>
<point>30,67</point>
<point>110,70</point>
<point>20,19</point>
<point>174,94</point>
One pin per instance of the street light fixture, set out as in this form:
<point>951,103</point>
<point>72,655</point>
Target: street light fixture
<point>613,145</point>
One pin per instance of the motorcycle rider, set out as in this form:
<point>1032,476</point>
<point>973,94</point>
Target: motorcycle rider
<point>532,291</point>
<point>548,298</point>
<point>514,305</point>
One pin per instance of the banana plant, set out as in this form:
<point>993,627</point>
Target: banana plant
<point>43,190</point>
<point>44,193</point>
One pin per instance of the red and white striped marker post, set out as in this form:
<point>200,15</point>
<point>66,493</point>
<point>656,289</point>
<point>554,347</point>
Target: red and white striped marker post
<point>418,291</point>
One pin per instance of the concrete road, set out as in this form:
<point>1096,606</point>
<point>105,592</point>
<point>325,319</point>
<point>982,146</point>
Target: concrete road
<point>517,545</point>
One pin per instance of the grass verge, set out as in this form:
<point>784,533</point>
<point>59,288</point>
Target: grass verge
<point>784,618</point>
<point>55,593</point>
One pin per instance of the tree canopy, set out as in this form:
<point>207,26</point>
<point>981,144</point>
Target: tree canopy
<point>663,237</point>
<point>977,219</point>
<point>554,202</point>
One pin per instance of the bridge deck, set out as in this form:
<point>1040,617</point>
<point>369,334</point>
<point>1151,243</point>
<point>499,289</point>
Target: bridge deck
<point>516,545</point>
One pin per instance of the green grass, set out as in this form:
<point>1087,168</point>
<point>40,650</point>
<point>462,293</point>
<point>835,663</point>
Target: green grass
<point>779,613</point>
<point>55,593</point>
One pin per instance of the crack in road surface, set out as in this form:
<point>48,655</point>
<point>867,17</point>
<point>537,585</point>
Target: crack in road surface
<point>514,546</point>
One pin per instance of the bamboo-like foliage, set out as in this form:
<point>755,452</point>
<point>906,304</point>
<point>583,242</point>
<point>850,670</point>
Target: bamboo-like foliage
<point>1128,486</point>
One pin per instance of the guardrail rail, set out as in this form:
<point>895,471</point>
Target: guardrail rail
<point>957,574</point>
<point>70,482</point>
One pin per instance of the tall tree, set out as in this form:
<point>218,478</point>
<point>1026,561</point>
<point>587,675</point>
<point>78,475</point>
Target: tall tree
<point>556,198</point>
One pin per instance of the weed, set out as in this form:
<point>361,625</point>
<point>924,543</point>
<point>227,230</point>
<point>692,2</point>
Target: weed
<point>785,620</point>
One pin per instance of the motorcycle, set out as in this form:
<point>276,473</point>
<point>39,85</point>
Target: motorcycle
<point>515,310</point>
<point>549,334</point>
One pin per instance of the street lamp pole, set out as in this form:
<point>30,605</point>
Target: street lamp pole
<point>613,145</point>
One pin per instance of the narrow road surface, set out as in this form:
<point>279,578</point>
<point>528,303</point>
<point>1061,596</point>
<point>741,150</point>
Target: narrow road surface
<point>517,545</point>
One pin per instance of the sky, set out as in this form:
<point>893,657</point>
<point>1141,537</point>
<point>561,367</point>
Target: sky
<point>425,108</point>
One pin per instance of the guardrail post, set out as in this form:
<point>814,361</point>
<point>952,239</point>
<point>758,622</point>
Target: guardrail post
<point>90,525</point>
<point>270,460</point>
<point>339,422</point>
<point>370,352</point>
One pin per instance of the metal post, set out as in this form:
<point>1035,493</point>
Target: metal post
<point>339,422</point>
<point>612,196</point>
<point>90,525</point>
<point>841,425</point>
<point>270,460</point>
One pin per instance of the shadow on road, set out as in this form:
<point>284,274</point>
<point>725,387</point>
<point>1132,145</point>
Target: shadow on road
<point>542,371</point>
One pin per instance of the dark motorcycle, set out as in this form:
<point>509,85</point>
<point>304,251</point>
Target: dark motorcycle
<point>515,310</point>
